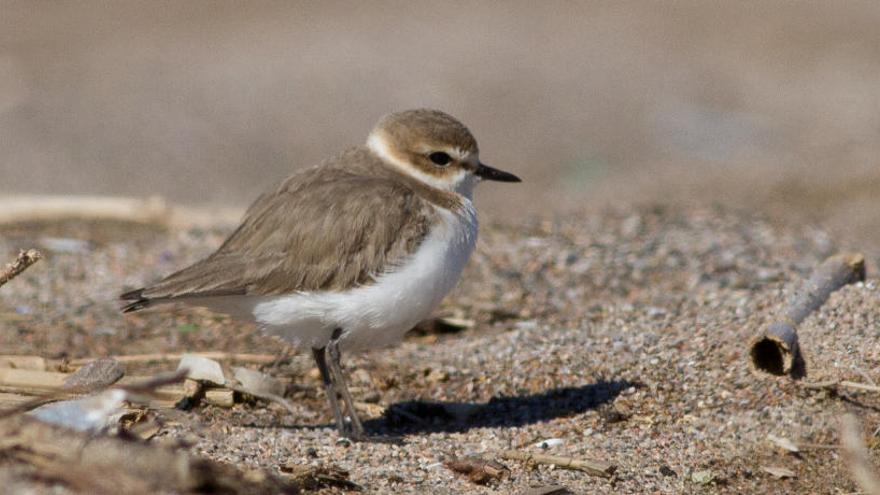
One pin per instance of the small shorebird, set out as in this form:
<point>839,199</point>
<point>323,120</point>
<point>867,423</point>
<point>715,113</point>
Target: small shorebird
<point>350,254</point>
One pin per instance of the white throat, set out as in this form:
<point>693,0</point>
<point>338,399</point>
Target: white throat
<point>462,182</point>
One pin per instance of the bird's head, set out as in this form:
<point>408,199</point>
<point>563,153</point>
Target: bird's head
<point>435,148</point>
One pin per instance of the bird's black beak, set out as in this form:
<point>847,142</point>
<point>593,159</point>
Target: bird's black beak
<point>486,172</point>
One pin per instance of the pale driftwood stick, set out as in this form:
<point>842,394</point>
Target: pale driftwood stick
<point>775,350</point>
<point>173,358</point>
<point>856,455</point>
<point>154,210</point>
<point>23,362</point>
<point>596,468</point>
<point>35,388</point>
<point>21,263</point>
<point>109,465</point>
<point>31,382</point>
<point>8,401</point>
<point>32,379</point>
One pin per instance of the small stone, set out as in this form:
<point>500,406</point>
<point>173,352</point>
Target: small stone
<point>97,374</point>
<point>702,477</point>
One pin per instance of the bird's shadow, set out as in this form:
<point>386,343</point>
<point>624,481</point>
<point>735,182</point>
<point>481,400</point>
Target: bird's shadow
<point>430,417</point>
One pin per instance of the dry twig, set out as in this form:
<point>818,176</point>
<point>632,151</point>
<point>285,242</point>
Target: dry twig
<point>21,263</point>
<point>596,468</point>
<point>834,384</point>
<point>775,350</point>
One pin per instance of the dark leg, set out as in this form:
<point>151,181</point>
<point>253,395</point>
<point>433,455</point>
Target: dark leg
<point>329,388</point>
<point>333,355</point>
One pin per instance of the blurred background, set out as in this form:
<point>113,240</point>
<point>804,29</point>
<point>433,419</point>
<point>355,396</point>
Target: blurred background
<point>767,105</point>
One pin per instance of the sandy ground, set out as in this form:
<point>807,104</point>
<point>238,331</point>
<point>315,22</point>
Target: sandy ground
<point>600,329</point>
<point>616,336</point>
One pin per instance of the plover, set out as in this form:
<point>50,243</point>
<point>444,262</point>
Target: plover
<point>350,254</point>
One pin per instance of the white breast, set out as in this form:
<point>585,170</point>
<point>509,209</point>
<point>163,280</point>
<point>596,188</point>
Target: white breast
<point>378,314</point>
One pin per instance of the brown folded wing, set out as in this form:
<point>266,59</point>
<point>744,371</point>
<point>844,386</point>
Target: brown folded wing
<point>321,230</point>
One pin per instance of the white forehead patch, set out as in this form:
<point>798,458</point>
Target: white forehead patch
<point>462,182</point>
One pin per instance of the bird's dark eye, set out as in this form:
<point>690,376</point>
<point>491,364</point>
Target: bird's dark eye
<point>440,158</point>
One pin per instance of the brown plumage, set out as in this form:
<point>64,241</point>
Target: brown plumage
<point>329,227</point>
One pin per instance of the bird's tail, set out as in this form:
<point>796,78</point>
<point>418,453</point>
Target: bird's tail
<point>136,300</point>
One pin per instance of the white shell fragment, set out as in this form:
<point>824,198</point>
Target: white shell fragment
<point>91,414</point>
<point>783,443</point>
<point>202,369</point>
<point>548,443</point>
<point>778,472</point>
<point>256,383</point>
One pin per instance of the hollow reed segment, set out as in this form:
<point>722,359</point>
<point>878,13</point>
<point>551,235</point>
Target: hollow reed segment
<point>776,349</point>
<point>832,274</point>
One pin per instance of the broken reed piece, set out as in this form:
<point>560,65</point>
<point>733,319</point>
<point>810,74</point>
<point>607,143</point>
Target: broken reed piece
<point>86,463</point>
<point>775,350</point>
<point>596,468</point>
<point>21,263</point>
<point>161,391</point>
<point>835,384</point>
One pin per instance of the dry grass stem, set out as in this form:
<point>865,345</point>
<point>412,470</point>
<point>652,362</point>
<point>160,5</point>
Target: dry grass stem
<point>835,384</point>
<point>596,468</point>
<point>155,210</point>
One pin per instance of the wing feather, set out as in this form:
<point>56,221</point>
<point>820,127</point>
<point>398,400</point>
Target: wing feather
<point>321,230</point>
